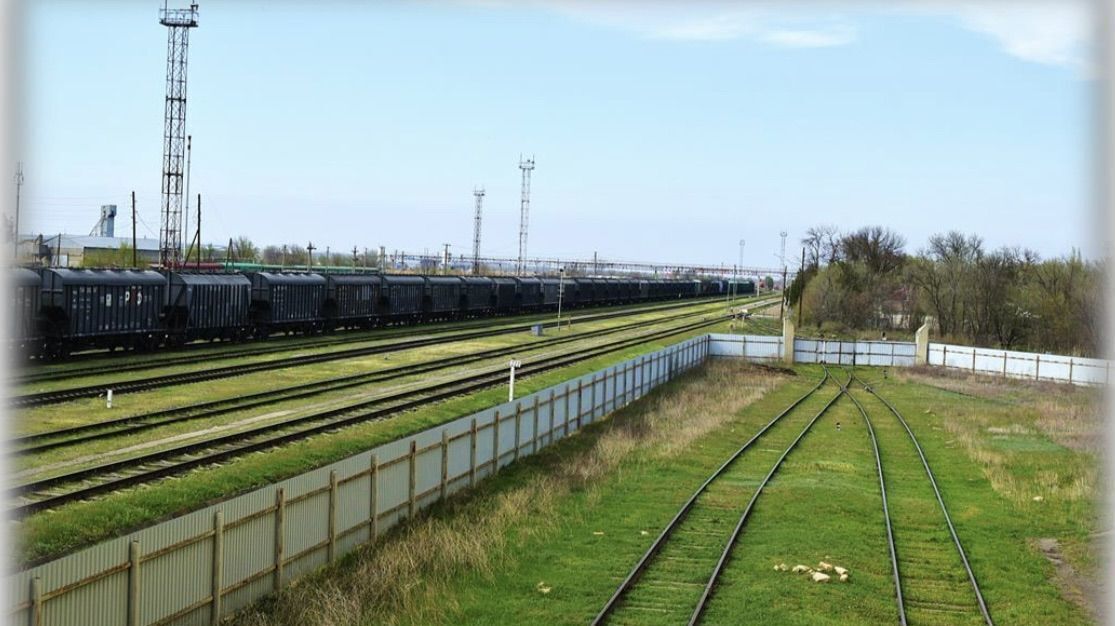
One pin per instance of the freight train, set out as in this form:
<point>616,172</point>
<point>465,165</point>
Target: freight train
<point>60,311</point>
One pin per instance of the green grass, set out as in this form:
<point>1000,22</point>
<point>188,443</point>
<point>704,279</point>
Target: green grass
<point>53,533</point>
<point>991,455</point>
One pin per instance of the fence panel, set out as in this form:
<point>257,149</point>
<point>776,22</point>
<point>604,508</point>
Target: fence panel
<point>250,545</point>
<point>844,352</point>
<point>751,347</point>
<point>1014,364</point>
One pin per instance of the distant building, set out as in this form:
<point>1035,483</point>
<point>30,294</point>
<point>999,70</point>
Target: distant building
<point>84,250</point>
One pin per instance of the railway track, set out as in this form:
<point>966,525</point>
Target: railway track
<point>693,545</point>
<point>132,424</point>
<point>929,586</point>
<point>88,482</point>
<point>303,343</point>
<point>152,382</point>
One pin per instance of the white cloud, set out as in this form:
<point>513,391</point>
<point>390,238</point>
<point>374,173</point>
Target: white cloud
<point>1048,33</point>
<point>838,36</point>
<point>708,20</point>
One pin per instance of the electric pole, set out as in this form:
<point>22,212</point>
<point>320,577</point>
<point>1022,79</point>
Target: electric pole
<point>18,191</point>
<point>782,258</point>
<point>135,264</point>
<point>310,250</point>
<point>445,259</point>
<point>178,23</point>
<point>479,194</point>
<point>526,167</point>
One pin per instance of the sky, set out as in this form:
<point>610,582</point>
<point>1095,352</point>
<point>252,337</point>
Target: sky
<point>661,131</point>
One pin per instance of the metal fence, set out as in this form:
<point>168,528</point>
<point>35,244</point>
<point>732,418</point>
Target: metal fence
<point>1030,365</point>
<point>753,347</point>
<point>879,353</point>
<point>207,564</point>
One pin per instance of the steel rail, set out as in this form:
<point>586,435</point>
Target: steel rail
<point>140,384</point>
<point>407,400</point>
<point>169,359</point>
<point>73,435</point>
<point>710,586</point>
<point>683,512</point>
<point>940,501</point>
<point>902,619</point>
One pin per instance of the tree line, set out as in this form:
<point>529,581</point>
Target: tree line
<point>1007,297</point>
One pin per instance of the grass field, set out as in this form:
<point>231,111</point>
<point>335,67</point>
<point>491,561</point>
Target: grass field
<point>549,540</point>
<point>52,533</point>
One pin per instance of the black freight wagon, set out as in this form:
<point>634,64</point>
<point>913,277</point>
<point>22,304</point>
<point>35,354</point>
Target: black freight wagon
<point>506,292</point>
<point>207,306</point>
<point>402,298</point>
<point>479,295</point>
<point>352,300</point>
<point>550,289</point>
<point>443,297</point>
<point>586,291</point>
<point>287,302</point>
<point>530,294</point>
<point>24,311</point>
<point>102,308</point>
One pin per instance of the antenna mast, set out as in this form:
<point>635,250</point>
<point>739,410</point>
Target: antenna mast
<point>479,193</point>
<point>178,23</point>
<point>524,212</point>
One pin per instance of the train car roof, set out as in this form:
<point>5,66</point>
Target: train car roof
<point>106,277</point>
<point>403,278</point>
<point>353,279</point>
<point>24,276</point>
<point>441,280</point>
<point>290,278</point>
<point>187,278</point>
<point>474,280</point>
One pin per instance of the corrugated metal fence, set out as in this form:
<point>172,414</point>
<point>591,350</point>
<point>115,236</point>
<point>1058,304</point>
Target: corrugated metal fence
<point>209,563</point>
<point>754,347</point>
<point>1076,370</point>
<point>880,353</point>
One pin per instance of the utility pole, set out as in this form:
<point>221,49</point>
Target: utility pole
<point>178,23</point>
<point>739,268</point>
<point>445,259</point>
<point>18,192</point>
<point>354,257</point>
<point>135,262</point>
<point>186,212</point>
<point>199,231</point>
<point>310,249</point>
<point>478,192</point>
<point>782,258</point>
<point>382,259</point>
<point>561,294</point>
<point>526,167</point>
<point>801,289</point>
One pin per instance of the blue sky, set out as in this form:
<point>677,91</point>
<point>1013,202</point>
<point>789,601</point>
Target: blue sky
<point>661,132</point>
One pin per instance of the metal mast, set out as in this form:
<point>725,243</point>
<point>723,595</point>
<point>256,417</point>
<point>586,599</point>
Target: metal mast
<point>524,212</point>
<point>18,190</point>
<point>178,23</point>
<point>479,193</point>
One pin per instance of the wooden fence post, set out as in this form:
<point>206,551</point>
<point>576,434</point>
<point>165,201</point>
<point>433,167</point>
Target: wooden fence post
<point>1004,363</point>
<point>945,356</point>
<point>553,416</point>
<point>135,557</point>
<point>472,453</point>
<point>1070,369</point>
<point>518,428</point>
<point>332,552</point>
<point>592,400</point>
<point>444,462</point>
<point>580,390</point>
<point>280,514</point>
<point>495,443</point>
<point>534,433</point>
<point>973,360</point>
<point>218,568</point>
<point>36,601</point>
<point>412,483</point>
<point>565,414</point>
<point>1037,367</point>
<point>373,499</point>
